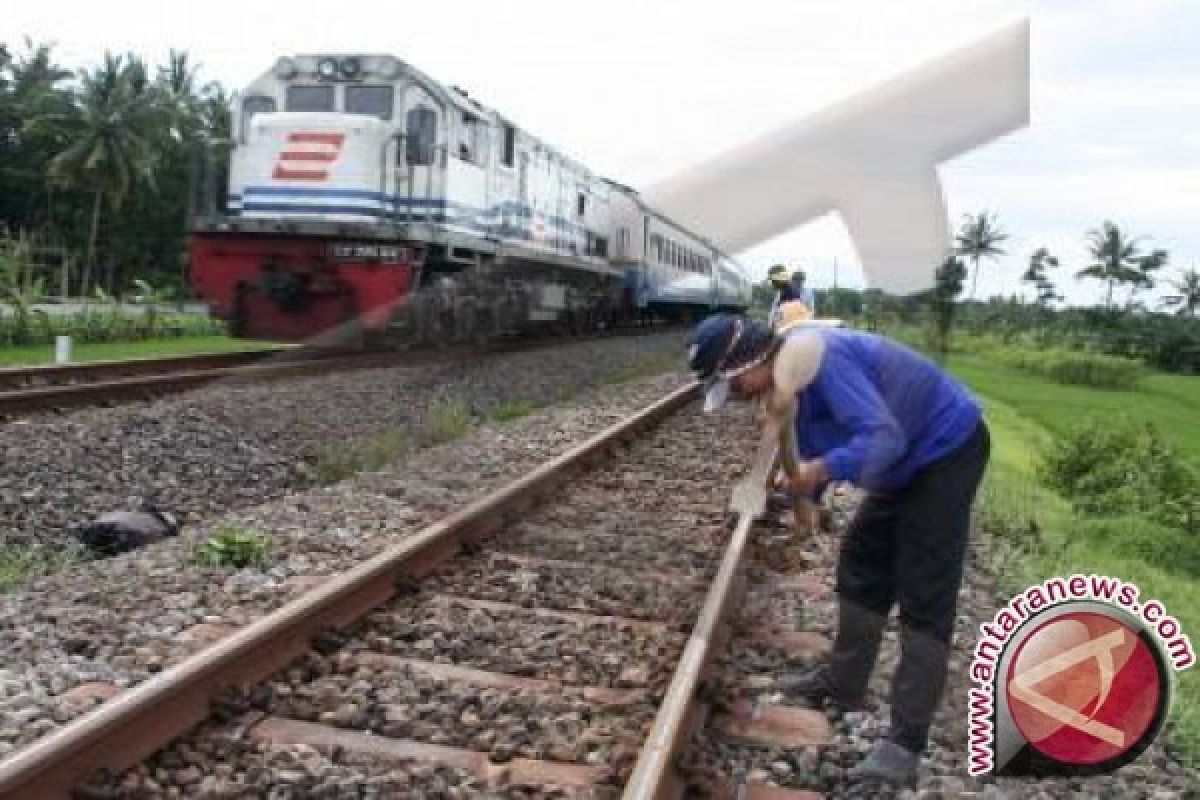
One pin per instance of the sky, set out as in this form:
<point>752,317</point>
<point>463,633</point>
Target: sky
<point>640,89</point>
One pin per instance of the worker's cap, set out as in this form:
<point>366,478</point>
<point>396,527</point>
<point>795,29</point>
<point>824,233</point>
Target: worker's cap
<point>777,271</point>
<point>720,348</point>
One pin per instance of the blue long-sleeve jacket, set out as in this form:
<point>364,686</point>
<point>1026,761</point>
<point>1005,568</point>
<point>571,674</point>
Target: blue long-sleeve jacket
<point>876,412</point>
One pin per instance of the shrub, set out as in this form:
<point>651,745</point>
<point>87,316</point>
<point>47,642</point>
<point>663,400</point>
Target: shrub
<point>447,422</point>
<point>1075,367</point>
<point>1171,549</point>
<point>1119,467</point>
<point>375,453</point>
<point>229,546</point>
<point>103,323</point>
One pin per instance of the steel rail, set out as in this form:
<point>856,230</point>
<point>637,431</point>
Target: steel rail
<point>679,714</point>
<point>41,375</point>
<point>121,390</point>
<point>144,379</point>
<point>141,720</point>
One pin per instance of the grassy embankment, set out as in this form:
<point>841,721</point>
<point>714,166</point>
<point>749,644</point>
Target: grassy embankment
<point>82,352</point>
<point>1041,535</point>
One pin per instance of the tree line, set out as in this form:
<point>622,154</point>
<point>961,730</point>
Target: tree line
<point>1166,335</point>
<point>108,161</point>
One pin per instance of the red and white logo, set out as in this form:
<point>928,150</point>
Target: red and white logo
<point>1072,678</point>
<point>1084,688</point>
<point>308,156</point>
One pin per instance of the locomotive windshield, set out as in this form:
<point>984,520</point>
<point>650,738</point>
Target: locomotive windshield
<point>309,98</point>
<point>373,101</point>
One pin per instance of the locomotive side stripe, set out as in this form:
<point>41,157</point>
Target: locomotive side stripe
<point>313,137</point>
<point>285,174</point>
<point>307,155</point>
<point>322,193</point>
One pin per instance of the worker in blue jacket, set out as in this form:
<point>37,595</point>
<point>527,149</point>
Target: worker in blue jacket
<point>874,413</point>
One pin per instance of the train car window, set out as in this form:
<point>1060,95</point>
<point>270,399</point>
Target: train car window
<point>420,136</point>
<point>372,101</point>
<point>309,98</point>
<point>580,204</point>
<point>508,155</point>
<point>602,246</point>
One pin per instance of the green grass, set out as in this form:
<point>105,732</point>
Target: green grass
<point>1038,535</point>
<point>1170,402</point>
<point>337,464</point>
<point>20,563</point>
<point>513,409</point>
<point>447,421</point>
<point>118,351</point>
<point>232,546</point>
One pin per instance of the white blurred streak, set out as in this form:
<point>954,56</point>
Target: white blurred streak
<point>873,158</point>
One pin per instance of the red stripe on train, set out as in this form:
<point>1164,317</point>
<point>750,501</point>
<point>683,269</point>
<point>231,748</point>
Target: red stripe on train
<point>311,137</point>
<point>284,174</point>
<point>300,155</point>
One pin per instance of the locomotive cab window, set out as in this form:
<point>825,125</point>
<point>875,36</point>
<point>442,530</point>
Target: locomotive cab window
<point>255,104</point>
<point>420,136</point>
<point>472,139</point>
<point>309,98</point>
<point>372,101</point>
<point>580,204</point>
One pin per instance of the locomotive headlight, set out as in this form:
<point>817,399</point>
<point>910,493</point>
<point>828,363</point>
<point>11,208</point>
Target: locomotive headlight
<point>327,69</point>
<point>351,68</point>
<point>285,69</point>
<point>388,68</point>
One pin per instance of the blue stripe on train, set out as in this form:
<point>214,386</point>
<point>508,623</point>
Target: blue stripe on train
<point>507,207</point>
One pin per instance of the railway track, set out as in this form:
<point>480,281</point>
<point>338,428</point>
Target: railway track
<point>27,390</point>
<point>555,638</point>
<point>58,387</point>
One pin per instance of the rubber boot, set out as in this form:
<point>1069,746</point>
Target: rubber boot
<point>855,648</point>
<point>917,688</point>
<point>888,763</point>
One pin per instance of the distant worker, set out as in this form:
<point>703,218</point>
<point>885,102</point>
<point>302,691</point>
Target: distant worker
<point>802,292</point>
<point>788,290</point>
<point>862,409</point>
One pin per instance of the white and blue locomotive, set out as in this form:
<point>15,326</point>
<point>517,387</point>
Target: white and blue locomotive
<point>363,193</point>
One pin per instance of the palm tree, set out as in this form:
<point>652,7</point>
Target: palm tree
<point>1146,266</point>
<point>1188,286</point>
<point>978,238</point>
<point>112,148</point>
<point>1040,261</point>
<point>30,91</point>
<point>1118,260</point>
<point>181,98</point>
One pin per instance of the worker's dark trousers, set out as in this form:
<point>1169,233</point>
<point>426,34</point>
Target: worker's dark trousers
<point>907,548</point>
